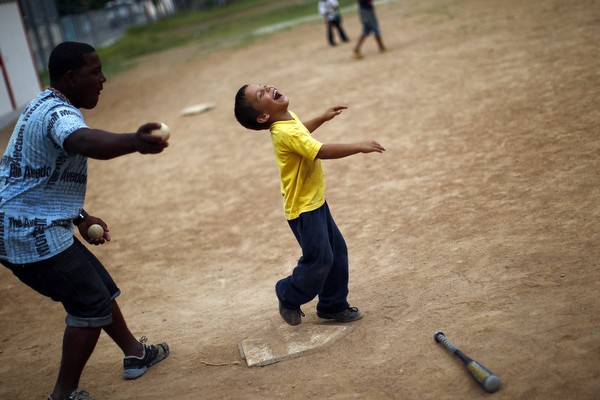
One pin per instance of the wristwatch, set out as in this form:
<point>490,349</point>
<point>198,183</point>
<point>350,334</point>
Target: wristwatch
<point>82,215</point>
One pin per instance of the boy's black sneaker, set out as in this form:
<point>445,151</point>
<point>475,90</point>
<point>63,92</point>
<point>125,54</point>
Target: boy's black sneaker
<point>134,367</point>
<point>292,316</point>
<point>348,315</point>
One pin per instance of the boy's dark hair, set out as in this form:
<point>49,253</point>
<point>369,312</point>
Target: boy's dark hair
<point>245,113</point>
<point>65,57</point>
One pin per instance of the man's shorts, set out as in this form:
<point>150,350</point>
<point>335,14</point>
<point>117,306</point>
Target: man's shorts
<point>78,280</point>
<point>369,22</point>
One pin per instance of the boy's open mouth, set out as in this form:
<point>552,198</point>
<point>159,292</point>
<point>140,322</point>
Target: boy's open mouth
<point>276,94</point>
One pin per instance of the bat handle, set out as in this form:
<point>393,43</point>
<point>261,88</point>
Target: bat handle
<point>440,337</point>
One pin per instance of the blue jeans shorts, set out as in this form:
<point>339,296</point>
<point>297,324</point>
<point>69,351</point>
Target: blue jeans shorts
<point>369,22</point>
<point>78,280</point>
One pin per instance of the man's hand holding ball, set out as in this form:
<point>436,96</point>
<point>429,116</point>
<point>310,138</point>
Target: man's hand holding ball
<point>95,231</point>
<point>164,132</point>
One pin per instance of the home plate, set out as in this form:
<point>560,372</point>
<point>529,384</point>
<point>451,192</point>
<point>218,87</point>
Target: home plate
<point>285,342</point>
<point>197,109</point>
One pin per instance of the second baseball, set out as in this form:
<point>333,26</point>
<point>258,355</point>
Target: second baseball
<point>164,131</point>
<point>95,231</point>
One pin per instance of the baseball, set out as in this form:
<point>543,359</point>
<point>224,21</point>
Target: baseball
<point>95,231</point>
<point>164,131</point>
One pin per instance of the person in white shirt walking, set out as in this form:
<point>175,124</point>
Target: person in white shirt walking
<point>330,10</point>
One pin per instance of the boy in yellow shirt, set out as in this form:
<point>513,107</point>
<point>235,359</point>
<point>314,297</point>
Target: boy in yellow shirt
<point>323,268</point>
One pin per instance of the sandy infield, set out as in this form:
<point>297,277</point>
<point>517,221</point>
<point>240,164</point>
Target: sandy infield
<point>481,219</point>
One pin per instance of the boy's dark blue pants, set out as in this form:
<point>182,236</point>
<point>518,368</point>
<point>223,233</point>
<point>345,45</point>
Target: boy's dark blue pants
<point>323,268</point>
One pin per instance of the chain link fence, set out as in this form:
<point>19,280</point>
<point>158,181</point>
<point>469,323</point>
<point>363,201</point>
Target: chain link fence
<point>46,28</point>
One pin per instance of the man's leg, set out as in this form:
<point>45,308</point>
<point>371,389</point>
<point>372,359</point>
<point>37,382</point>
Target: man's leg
<point>338,25</point>
<point>121,335</point>
<point>78,345</point>
<point>330,38</point>
<point>138,356</point>
<point>380,42</point>
<point>359,43</point>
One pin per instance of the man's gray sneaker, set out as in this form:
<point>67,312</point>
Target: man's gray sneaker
<point>77,394</point>
<point>134,367</point>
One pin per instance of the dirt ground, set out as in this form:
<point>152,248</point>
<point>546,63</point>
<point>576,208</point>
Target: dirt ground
<point>481,219</point>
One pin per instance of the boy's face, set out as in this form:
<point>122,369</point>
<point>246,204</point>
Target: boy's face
<point>268,101</point>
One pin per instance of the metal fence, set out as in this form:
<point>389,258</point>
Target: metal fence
<point>46,28</point>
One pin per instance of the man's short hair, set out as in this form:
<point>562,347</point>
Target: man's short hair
<point>245,113</point>
<point>67,56</point>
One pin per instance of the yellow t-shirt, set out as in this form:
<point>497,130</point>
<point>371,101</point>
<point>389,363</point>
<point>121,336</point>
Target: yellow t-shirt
<point>301,173</point>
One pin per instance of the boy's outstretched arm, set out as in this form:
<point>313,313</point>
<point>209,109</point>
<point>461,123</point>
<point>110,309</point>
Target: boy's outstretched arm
<point>340,150</point>
<point>326,116</point>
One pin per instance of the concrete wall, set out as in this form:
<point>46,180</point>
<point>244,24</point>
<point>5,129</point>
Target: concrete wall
<point>19,81</point>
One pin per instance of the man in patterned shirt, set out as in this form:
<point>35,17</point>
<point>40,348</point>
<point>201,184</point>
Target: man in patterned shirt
<point>43,178</point>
